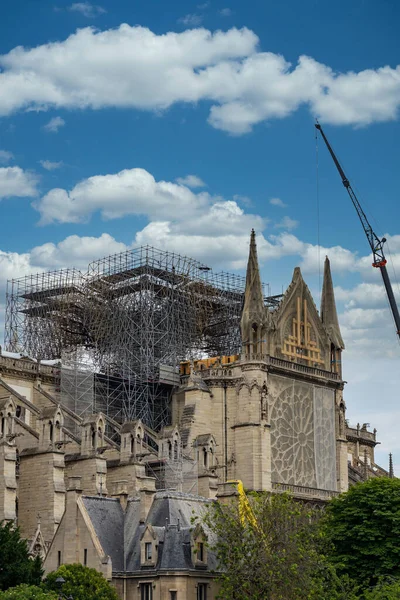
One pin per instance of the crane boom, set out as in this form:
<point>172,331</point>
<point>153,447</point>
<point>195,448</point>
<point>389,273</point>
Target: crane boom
<point>374,241</point>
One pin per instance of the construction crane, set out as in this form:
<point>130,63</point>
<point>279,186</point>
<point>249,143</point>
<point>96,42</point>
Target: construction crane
<point>374,241</point>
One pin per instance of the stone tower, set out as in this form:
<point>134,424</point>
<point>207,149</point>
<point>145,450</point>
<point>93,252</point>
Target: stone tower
<point>253,324</point>
<point>276,412</point>
<point>330,319</point>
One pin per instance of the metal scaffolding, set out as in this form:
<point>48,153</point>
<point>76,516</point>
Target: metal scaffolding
<point>137,313</point>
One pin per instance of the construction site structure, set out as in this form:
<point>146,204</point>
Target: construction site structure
<point>121,328</point>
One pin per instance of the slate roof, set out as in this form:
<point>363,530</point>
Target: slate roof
<point>171,519</point>
<point>107,518</point>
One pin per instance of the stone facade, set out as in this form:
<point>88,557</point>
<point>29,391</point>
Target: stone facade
<point>84,489</point>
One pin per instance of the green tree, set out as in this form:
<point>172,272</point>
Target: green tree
<point>82,583</point>
<point>363,526</point>
<point>279,556</point>
<point>16,566</point>
<point>27,592</point>
<point>384,590</point>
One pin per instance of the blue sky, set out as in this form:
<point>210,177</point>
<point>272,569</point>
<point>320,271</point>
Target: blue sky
<point>101,124</point>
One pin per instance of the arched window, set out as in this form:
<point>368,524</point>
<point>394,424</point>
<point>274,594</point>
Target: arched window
<point>51,432</point>
<point>176,450</point>
<point>333,359</point>
<point>93,438</point>
<point>132,443</point>
<point>169,449</point>
<point>205,457</point>
<point>254,329</point>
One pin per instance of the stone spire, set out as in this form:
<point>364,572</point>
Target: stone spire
<point>391,470</point>
<point>253,315</point>
<point>365,465</point>
<point>328,308</point>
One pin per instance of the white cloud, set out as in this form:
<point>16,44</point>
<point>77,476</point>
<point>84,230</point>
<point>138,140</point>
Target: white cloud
<point>12,265</point>
<point>182,218</point>
<point>277,202</point>
<point>54,124</point>
<point>5,156</point>
<point>14,181</point>
<point>203,6</point>
<point>366,295</point>
<point>132,191</point>
<point>191,181</point>
<point>87,9</point>
<point>49,165</point>
<point>287,223</point>
<point>133,67</point>
<point>362,318</point>
<point>225,12</point>
<point>191,20</point>
<point>75,251</point>
<point>243,199</point>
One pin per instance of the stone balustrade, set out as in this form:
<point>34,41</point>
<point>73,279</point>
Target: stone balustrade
<point>301,491</point>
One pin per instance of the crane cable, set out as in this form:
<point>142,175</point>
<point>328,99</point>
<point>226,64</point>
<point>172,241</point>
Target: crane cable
<point>318,219</point>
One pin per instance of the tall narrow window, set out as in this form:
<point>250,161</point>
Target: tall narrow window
<point>59,558</point>
<point>205,458</point>
<point>201,591</point>
<point>200,551</point>
<point>146,591</point>
<point>173,595</point>
<point>85,557</point>
<point>148,551</point>
<point>255,338</point>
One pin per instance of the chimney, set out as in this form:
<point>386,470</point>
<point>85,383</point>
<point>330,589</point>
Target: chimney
<point>121,492</point>
<point>146,496</point>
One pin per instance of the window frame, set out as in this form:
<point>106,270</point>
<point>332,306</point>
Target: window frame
<point>146,590</point>
<point>148,552</point>
<point>202,591</point>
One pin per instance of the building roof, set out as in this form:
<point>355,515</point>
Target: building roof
<point>170,518</point>
<point>107,518</point>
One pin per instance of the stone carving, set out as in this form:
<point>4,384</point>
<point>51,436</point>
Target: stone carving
<point>264,403</point>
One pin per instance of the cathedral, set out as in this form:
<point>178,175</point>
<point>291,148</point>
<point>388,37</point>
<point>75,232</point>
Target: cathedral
<point>120,496</point>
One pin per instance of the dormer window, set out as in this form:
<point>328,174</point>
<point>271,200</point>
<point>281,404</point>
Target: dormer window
<point>148,548</point>
<point>199,548</point>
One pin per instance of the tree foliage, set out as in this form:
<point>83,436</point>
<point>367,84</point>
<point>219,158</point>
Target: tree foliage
<point>16,567</point>
<point>364,527</point>
<point>279,558</point>
<point>27,592</point>
<point>82,583</point>
<point>384,590</point>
